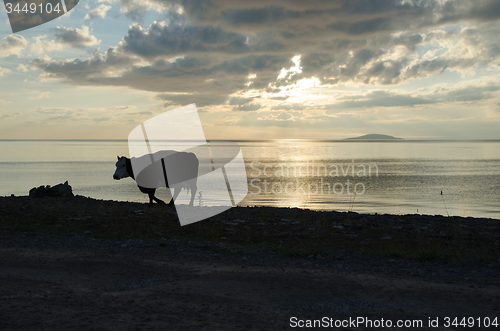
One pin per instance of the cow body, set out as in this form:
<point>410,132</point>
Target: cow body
<point>187,161</point>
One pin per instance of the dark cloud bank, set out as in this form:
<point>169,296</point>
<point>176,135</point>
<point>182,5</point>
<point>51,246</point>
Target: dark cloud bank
<point>209,51</point>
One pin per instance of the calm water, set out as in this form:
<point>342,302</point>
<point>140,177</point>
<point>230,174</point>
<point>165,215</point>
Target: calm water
<point>382,177</point>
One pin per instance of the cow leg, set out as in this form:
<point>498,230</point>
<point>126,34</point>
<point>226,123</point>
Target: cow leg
<point>193,193</point>
<point>177,190</point>
<point>159,201</point>
<point>152,197</point>
<point>171,203</point>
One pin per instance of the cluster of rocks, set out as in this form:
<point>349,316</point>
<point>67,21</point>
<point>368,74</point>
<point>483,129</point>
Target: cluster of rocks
<point>60,190</point>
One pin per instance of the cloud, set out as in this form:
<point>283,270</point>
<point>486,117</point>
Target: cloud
<point>209,54</point>
<point>12,45</point>
<point>82,72</point>
<point>4,71</point>
<point>98,12</point>
<point>72,37</point>
<point>39,95</point>
<point>276,117</point>
<point>45,110</point>
<point>288,120</point>
<point>172,10</point>
<point>370,26</point>
<point>200,74</point>
<point>354,17</point>
<point>251,107</point>
<point>75,37</point>
<point>463,50</point>
<point>201,100</point>
<point>471,92</point>
<point>237,101</point>
<point>7,116</point>
<point>166,40</point>
<point>22,68</point>
<point>42,45</point>
<point>255,15</point>
<point>283,117</point>
<point>113,114</point>
<point>476,91</point>
<point>379,99</point>
<point>290,106</point>
<point>101,119</point>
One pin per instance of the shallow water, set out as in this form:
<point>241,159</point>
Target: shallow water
<point>398,177</point>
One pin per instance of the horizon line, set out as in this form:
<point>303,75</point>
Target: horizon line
<point>349,140</point>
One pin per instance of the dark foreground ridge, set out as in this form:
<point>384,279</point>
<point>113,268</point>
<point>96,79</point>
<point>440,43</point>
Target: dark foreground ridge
<point>80,263</point>
<point>291,231</point>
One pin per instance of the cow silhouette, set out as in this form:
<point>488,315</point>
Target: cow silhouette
<point>150,172</point>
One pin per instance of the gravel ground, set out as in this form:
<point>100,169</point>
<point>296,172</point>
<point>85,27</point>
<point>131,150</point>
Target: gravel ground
<point>50,282</point>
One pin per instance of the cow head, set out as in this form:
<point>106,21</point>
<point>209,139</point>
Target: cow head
<point>121,168</point>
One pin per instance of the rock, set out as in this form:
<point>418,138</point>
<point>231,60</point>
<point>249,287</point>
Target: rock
<point>60,190</point>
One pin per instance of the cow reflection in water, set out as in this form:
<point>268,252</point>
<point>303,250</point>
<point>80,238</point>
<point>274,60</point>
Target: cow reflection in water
<point>151,173</point>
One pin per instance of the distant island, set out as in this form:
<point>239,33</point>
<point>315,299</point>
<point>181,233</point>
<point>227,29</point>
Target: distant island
<point>374,136</point>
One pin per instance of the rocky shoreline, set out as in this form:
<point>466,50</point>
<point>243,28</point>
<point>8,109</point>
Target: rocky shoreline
<point>291,231</point>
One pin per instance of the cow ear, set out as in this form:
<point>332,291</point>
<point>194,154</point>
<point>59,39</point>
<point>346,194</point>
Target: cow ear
<point>118,158</point>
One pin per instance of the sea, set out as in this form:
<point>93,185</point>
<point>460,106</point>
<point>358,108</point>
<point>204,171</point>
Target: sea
<point>450,178</point>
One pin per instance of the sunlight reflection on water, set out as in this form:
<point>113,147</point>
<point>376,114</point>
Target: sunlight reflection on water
<point>410,175</point>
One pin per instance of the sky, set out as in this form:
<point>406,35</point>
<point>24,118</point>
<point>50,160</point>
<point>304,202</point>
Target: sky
<point>260,69</point>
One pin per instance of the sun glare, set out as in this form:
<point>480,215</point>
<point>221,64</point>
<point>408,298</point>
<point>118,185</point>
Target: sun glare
<point>293,70</point>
